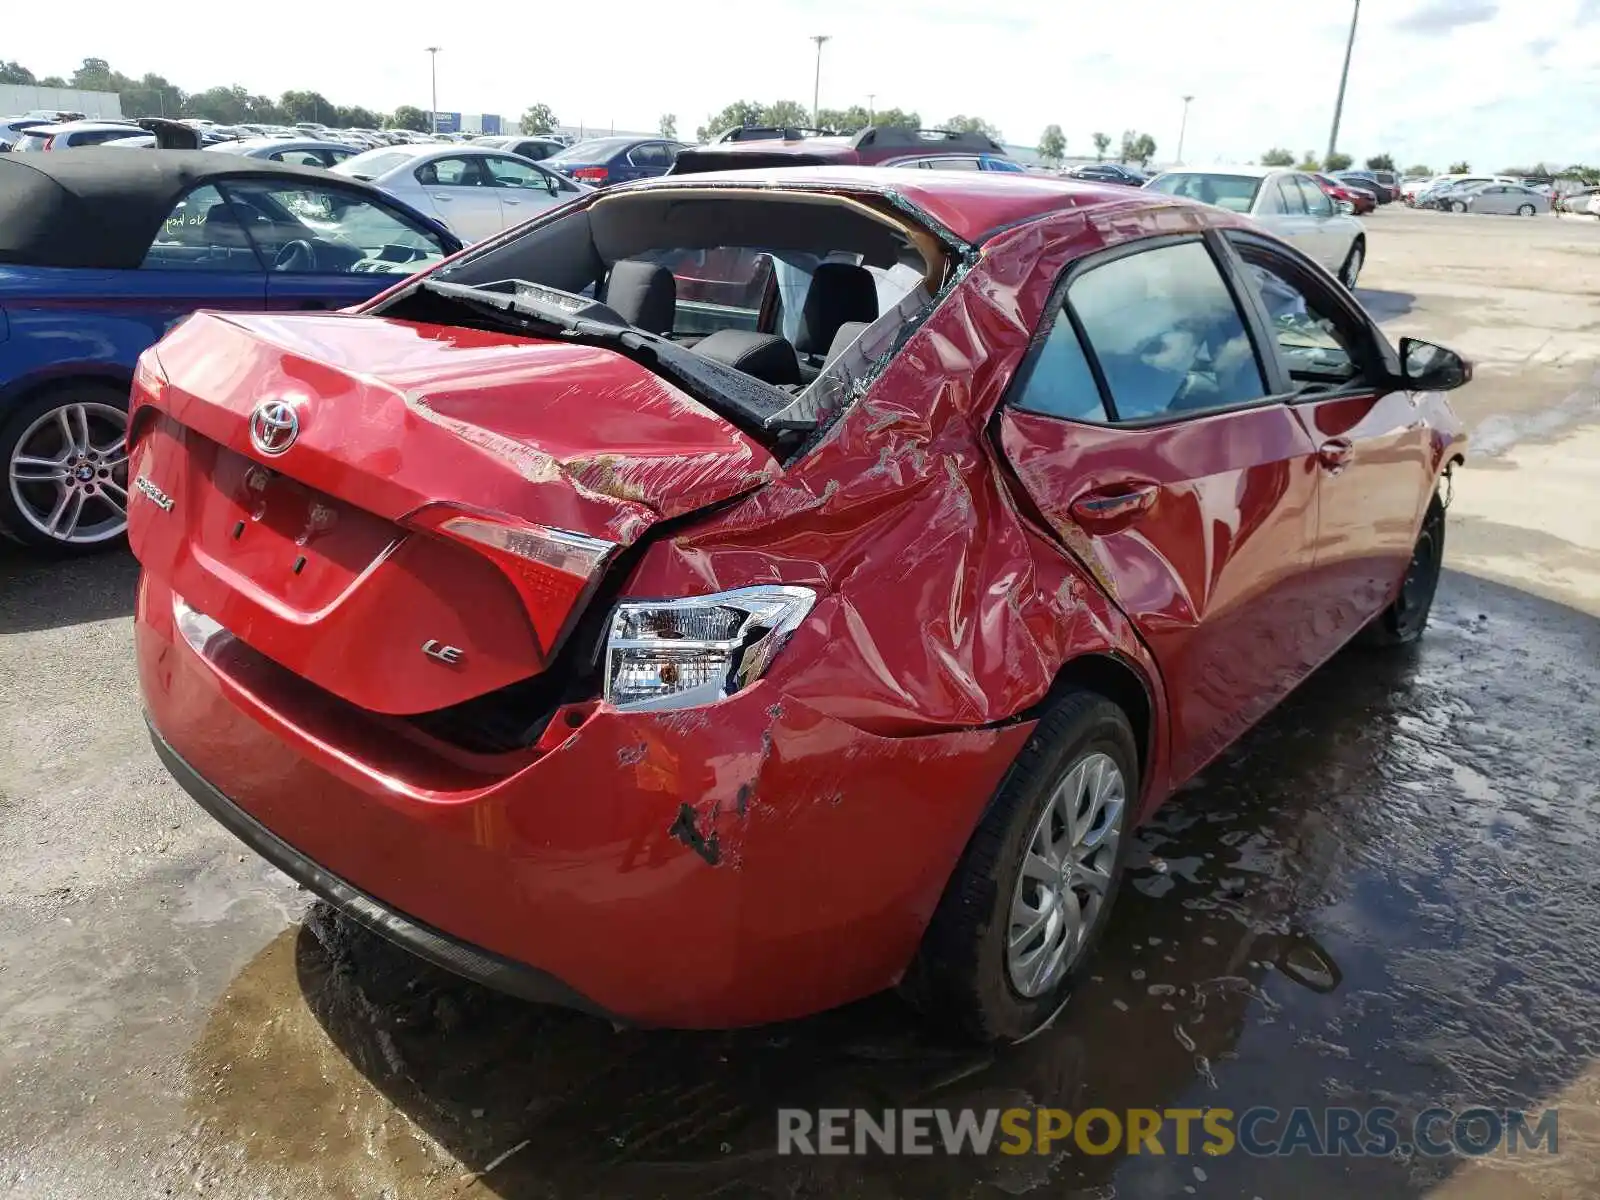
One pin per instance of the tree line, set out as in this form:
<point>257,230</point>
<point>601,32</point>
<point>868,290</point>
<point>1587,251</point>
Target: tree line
<point>791,114</point>
<point>1279,157</point>
<point>1136,147</point>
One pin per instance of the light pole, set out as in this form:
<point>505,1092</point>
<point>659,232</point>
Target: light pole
<point>816,87</point>
<point>433,73</point>
<point>1344,76</point>
<point>1183,128</point>
<point>872,112</point>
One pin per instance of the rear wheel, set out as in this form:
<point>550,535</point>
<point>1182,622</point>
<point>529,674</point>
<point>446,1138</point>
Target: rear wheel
<point>66,462</point>
<point>1527,210</point>
<point>1404,620</point>
<point>1458,206</point>
<point>1351,271</point>
<point>1021,914</point>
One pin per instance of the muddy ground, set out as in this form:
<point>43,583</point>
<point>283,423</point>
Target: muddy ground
<point>1387,894</point>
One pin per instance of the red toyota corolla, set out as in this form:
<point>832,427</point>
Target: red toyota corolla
<point>712,680</point>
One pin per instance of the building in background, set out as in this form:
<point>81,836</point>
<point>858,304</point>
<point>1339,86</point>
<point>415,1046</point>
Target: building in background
<point>19,98</point>
<point>490,123</point>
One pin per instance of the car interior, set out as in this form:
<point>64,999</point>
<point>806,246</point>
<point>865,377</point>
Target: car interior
<point>777,285</point>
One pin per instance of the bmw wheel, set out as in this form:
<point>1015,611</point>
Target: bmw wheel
<point>1030,898</point>
<point>66,460</point>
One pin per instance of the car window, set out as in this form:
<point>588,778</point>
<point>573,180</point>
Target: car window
<point>300,158</point>
<point>651,154</point>
<point>1166,332</point>
<point>1316,341</point>
<point>1003,164</point>
<point>333,157</point>
<point>1317,202</point>
<point>949,164</point>
<point>1059,381</point>
<point>1290,198</point>
<point>1237,193</point>
<point>202,233</point>
<point>304,228</point>
<point>508,172</point>
<point>720,288</point>
<point>453,172</point>
<point>94,137</point>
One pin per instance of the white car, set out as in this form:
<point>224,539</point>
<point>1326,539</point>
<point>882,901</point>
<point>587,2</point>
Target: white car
<point>475,192</point>
<point>74,133</point>
<point>1287,203</point>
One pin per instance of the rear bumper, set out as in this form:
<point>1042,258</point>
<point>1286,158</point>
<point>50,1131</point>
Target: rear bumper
<point>426,942</point>
<point>751,861</point>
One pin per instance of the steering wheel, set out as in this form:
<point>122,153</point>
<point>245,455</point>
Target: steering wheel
<point>298,255</point>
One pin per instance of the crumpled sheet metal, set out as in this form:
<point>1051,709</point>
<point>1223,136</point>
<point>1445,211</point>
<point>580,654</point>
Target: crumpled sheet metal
<point>944,606</point>
<point>585,438</point>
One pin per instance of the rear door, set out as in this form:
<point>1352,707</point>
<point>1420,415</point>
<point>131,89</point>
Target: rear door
<point>1326,236</point>
<point>1143,427</point>
<point>463,195</point>
<point>644,161</point>
<point>523,189</point>
<point>1281,207</point>
<point>1374,459</point>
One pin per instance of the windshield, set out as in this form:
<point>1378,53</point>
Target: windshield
<point>1236,193</point>
<point>373,163</point>
<point>590,151</point>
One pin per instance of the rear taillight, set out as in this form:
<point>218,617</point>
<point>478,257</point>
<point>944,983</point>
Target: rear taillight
<point>592,174</point>
<point>554,571</point>
<point>49,143</point>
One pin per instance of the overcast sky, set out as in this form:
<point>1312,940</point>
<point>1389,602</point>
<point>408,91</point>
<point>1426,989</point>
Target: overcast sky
<point>1499,82</point>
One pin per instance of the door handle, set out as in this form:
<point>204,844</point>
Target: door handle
<point>1109,509</point>
<point>437,196</point>
<point>1334,454</point>
<point>509,200</point>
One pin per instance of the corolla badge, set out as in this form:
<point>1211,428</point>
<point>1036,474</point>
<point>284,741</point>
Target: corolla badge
<point>274,425</point>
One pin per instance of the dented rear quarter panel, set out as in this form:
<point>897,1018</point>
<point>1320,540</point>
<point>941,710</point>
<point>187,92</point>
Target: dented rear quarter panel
<point>945,603</point>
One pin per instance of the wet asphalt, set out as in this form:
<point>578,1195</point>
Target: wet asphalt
<point>1385,895</point>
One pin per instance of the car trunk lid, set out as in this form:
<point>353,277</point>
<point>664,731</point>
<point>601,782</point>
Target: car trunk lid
<point>407,515</point>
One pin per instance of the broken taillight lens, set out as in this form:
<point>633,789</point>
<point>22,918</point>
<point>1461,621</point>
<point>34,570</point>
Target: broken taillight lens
<point>148,394</point>
<point>553,570</point>
<point>592,174</point>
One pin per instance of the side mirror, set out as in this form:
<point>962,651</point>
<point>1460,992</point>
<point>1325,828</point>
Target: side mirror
<point>1429,368</point>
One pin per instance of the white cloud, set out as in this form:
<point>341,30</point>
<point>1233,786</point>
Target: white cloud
<point>1432,80</point>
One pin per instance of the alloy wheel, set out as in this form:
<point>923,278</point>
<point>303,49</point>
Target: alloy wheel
<point>69,473</point>
<point>1066,875</point>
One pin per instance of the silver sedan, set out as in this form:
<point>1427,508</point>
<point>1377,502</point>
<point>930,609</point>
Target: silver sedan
<point>1287,203</point>
<point>1507,198</point>
<point>474,191</point>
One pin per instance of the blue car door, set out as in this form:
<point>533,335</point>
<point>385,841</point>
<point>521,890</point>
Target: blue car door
<point>329,246</point>
<point>645,160</point>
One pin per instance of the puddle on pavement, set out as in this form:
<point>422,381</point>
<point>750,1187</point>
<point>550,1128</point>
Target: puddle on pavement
<point>1383,896</point>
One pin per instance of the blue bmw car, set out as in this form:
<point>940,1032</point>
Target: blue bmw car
<point>102,251</point>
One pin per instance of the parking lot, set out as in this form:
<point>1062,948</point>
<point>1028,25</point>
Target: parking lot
<point>1386,894</point>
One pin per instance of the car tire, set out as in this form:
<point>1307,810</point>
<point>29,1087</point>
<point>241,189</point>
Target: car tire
<point>83,423</point>
<point>1081,760</point>
<point>1351,271</point>
<point>1527,210</point>
<point>1404,620</point>
<point>1458,206</point>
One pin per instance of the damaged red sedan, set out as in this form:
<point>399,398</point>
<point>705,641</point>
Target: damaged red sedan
<point>712,662</point>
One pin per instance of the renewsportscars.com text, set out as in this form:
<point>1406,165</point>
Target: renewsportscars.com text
<point>1261,1132</point>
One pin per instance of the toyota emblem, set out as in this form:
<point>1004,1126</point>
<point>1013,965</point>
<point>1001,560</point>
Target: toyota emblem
<point>273,427</point>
